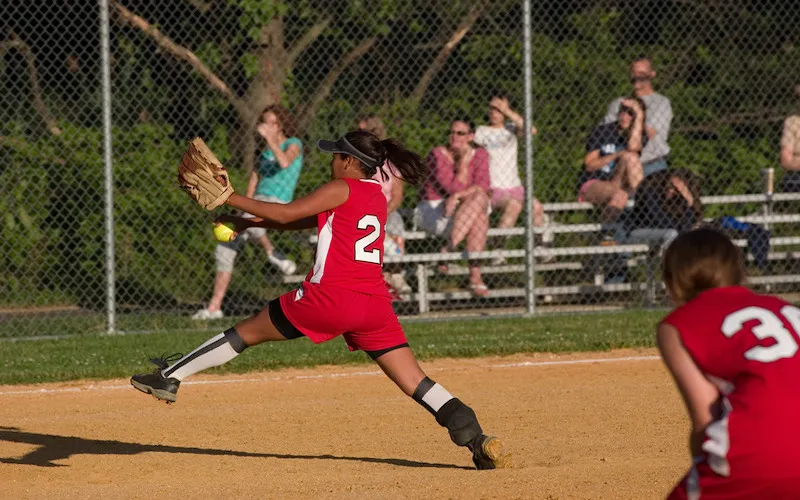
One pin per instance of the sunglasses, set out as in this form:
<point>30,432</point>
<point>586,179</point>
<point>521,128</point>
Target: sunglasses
<point>458,132</point>
<point>640,78</point>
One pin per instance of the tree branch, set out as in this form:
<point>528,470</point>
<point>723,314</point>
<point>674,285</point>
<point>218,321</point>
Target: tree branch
<point>306,40</point>
<point>324,88</point>
<point>33,75</point>
<point>126,17</point>
<point>438,62</point>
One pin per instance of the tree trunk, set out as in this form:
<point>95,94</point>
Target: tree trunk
<point>275,61</point>
<point>265,89</point>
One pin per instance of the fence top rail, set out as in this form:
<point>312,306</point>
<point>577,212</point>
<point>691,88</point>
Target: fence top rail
<point>593,227</point>
<point>707,200</point>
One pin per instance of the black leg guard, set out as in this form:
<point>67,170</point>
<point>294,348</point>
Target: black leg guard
<point>233,338</point>
<point>460,421</point>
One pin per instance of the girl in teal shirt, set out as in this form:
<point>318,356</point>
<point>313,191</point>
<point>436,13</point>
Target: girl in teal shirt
<point>273,179</point>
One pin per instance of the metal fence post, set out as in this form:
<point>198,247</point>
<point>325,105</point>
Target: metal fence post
<point>107,162</point>
<point>530,261</point>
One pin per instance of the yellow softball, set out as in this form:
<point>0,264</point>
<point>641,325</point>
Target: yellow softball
<point>224,232</point>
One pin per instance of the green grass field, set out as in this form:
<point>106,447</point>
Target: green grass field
<point>112,356</point>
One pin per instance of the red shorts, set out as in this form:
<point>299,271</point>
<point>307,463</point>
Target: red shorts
<point>321,313</point>
<point>702,482</point>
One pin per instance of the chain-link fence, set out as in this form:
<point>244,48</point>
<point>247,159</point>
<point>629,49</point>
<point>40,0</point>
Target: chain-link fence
<point>647,117</point>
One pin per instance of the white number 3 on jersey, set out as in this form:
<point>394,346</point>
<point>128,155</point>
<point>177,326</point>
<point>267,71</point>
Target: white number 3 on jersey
<point>769,327</point>
<point>372,256</point>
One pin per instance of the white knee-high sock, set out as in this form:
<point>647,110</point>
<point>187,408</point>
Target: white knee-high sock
<point>216,351</point>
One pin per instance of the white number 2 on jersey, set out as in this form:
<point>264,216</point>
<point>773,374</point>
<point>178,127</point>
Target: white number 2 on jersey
<point>373,256</point>
<point>769,327</point>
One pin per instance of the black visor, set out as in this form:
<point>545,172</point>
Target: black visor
<point>343,146</point>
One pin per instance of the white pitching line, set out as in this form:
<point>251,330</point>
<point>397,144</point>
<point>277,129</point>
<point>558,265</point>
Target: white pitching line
<point>522,364</point>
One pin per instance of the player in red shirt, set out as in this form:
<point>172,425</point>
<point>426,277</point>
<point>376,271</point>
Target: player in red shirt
<point>734,356</point>
<point>344,294</point>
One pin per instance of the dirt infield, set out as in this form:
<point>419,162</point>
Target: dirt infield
<point>578,428</point>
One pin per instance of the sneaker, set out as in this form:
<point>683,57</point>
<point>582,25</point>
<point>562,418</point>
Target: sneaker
<point>489,453</point>
<point>163,388</point>
<point>607,238</point>
<point>398,282</point>
<point>547,236</point>
<point>205,314</point>
<point>283,264</point>
<point>546,259</point>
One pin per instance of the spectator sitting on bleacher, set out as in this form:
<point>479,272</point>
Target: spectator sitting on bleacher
<point>499,138</point>
<point>500,141</point>
<point>455,197</point>
<point>790,152</point>
<point>658,120</point>
<point>392,185</point>
<point>612,168</point>
<point>667,203</point>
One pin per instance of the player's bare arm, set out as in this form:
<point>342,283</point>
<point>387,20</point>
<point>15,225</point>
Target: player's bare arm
<point>699,394</point>
<point>327,197</point>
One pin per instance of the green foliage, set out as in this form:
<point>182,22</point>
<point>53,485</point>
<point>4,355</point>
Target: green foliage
<point>54,222</point>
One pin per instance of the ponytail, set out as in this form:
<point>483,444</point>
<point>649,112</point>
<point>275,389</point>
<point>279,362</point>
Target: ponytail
<point>411,167</point>
<point>409,164</point>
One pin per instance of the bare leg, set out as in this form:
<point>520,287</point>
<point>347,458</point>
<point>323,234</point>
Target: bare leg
<point>609,194</point>
<point>258,328</point>
<point>471,221</point>
<point>221,282</point>
<point>512,209</point>
<point>264,242</point>
<point>467,213</point>
<point>538,213</point>
<point>401,366</point>
<point>476,242</point>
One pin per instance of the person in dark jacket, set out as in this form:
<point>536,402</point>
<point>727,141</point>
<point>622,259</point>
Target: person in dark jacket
<point>667,203</point>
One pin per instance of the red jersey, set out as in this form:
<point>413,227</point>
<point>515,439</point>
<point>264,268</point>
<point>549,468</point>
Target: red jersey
<point>350,241</point>
<point>747,345</point>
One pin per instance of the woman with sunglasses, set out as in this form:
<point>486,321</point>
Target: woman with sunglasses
<point>455,197</point>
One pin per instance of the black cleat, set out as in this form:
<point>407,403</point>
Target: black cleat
<point>488,452</point>
<point>163,388</point>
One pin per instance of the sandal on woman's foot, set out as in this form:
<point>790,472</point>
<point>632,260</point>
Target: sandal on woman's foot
<point>479,290</point>
<point>442,267</point>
